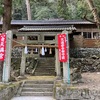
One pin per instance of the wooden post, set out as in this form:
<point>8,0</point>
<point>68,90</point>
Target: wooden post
<point>57,64</point>
<point>23,61</point>
<point>7,63</point>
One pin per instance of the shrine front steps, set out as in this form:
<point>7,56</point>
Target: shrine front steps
<point>44,71</point>
<point>46,67</point>
<point>47,61</point>
<point>36,88</point>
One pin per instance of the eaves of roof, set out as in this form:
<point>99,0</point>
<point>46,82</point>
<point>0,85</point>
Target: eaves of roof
<point>47,28</point>
<point>48,22</point>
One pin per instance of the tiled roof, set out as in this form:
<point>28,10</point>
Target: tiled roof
<point>48,22</point>
<point>47,28</point>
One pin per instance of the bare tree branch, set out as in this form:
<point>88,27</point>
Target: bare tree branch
<point>90,20</point>
<point>94,12</point>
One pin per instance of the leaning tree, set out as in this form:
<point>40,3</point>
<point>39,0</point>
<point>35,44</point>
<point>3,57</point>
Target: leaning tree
<point>7,4</point>
<point>7,15</point>
<point>94,12</point>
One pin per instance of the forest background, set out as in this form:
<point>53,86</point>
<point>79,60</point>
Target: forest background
<point>47,9</point>
<point>51,9</point>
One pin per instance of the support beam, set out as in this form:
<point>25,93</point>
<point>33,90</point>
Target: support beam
<point>38,46</point>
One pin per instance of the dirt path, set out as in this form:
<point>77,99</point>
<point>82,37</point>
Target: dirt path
<point>91,81</point>
<point>32,98</point>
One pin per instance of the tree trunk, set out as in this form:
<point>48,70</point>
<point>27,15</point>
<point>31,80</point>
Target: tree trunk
<point>94,11</point>
<point>7,15</point>
<point>1,70</point>
<point>6,24</point>
<point>28,9</point>
<point>96,17</point>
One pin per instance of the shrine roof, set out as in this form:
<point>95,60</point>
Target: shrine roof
<point>48,22</point>
<point>48,28</point>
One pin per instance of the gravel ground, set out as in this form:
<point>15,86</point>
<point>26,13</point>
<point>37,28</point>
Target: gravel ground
<point>90,80</point>
<point>32,98</point>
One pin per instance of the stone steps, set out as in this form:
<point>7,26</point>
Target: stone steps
<point>38,82</point>
<point>46,62</point>
<point>36,94</point>
<point>44,74</point>
<point>39,66</point>
<point>46,67</point>
<point>36,88</point>
<point>38,85</point>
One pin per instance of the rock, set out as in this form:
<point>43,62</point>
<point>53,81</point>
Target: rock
<point>21,77</point>
<point>14,75</point>
<point>13,78</point>
<point>95,57</point>
<point>76,75</point>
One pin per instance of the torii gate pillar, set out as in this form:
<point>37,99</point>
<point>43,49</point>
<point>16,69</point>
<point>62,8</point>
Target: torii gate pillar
<point>23,60</point>
<point>7,62</point>
<point>57,64</point>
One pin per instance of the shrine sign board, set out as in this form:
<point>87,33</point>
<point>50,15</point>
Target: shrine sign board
<point>2,46</point>
<point>62,48</point>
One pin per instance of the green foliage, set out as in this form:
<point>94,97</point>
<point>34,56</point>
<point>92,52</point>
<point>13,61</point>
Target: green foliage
<point>19,10</point>
<point>62,9</point>
<point>44,13</point>
<point>45,9</point>
<point>81,10</point>
<point>1,8</point>
<point>97,5</point>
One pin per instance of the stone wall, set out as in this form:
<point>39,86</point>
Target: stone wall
<point>74,52</point>
<point>86,64</point>
<point>84,52</point>
<point>9,92</point>
<point>72,93</point>
<point>88,60</point>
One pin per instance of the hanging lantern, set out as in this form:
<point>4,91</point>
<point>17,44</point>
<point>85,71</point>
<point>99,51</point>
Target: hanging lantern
<point>45,49</point>
<point>43,53</point>
<point>50,52</point>
<point>36,50</point>
<point>25,50</point>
